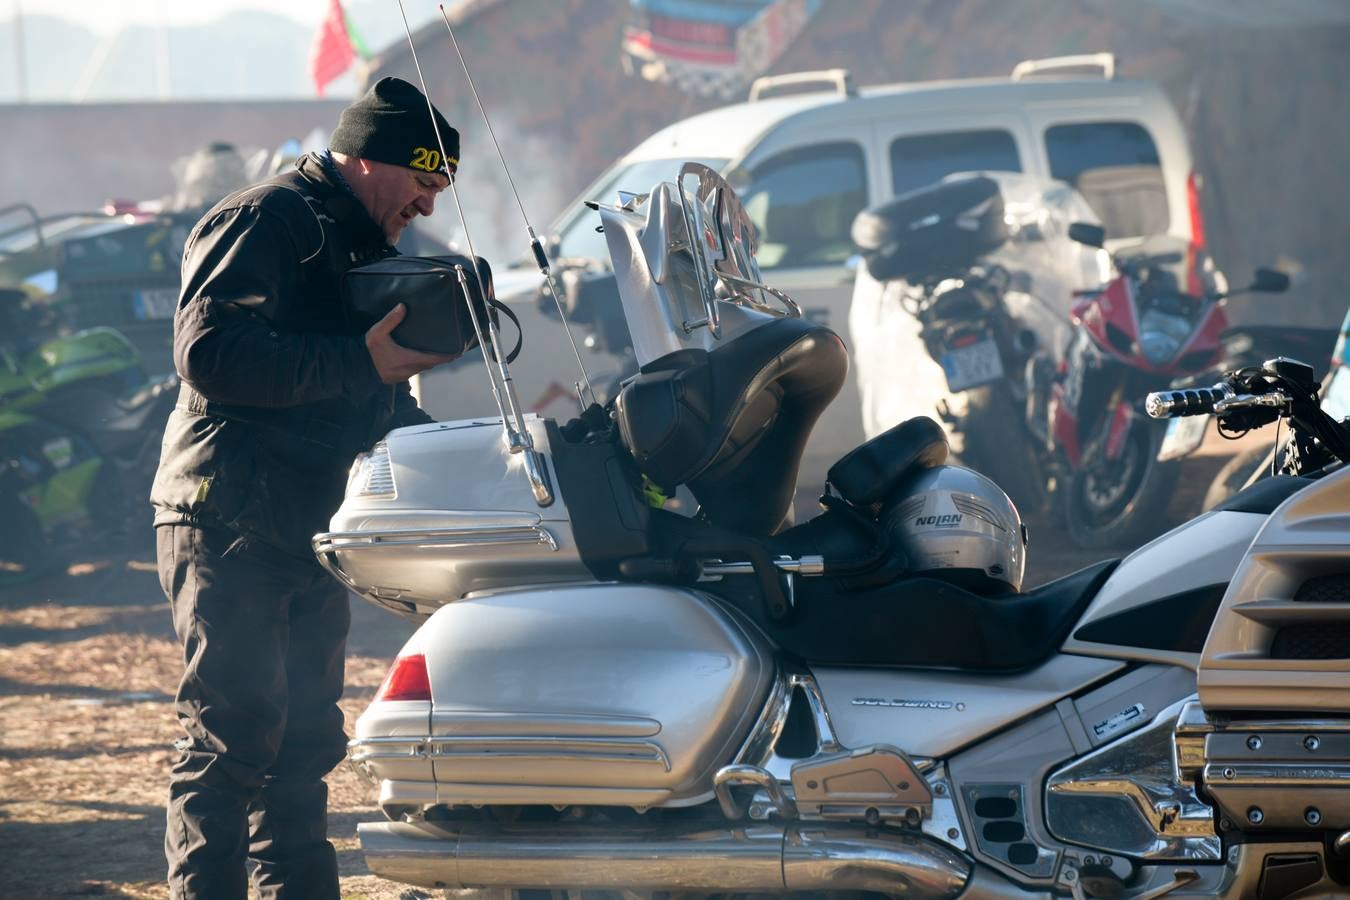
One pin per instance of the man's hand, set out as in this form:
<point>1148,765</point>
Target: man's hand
<point>392,360</point>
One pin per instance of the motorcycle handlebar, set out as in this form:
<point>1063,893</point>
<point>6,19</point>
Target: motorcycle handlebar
<point>1189,402</point>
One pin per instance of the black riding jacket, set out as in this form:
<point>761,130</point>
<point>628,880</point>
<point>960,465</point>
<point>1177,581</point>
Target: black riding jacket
<point>279,392</point>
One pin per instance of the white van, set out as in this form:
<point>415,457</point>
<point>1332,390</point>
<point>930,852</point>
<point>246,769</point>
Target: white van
<point>806,164</point>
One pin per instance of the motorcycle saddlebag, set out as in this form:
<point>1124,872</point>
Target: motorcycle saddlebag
<point>934,230</point>
<point>438,319</point>
<point>595,694</point>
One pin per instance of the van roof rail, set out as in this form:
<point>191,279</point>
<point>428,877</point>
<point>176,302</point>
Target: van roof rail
<point>840,79</point>
<point>1104,61</point>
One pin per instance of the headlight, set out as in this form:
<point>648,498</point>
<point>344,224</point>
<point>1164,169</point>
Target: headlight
<point>372,475</point>
<point>1161,335</point>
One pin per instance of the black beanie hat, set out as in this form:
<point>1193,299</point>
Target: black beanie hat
<point>390,125</point>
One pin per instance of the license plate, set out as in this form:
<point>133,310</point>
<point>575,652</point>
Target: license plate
<point>1184,436</point>
<point>155,303</point>
<point>972,365</point>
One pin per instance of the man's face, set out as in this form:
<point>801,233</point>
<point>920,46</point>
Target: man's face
<point>395,195</point>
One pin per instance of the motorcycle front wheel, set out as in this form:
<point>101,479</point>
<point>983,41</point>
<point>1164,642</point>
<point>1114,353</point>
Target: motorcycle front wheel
<point>1120,503</point>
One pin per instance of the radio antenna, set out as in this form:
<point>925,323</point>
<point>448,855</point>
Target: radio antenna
<point>517,435</point>
<point>536,247</point>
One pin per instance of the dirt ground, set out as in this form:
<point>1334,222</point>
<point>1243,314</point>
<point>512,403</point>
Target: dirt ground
<point>88,667</point>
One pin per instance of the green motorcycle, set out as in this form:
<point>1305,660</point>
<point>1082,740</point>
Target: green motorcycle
<point>80,428</point>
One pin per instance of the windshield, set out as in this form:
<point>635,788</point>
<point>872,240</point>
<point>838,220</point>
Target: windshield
<point>578,238</point>
<point>24,236</point>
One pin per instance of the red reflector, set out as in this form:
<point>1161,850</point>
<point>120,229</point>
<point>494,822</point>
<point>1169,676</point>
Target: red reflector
<point>965,340</point>
<point>407,680</point>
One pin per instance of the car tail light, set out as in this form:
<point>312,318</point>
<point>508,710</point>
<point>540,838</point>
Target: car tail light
<point>1195,254</point>
<point>407,680</point>
<point>1193,183</point>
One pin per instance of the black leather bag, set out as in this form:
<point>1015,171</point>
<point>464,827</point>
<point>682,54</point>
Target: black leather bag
<point>438,319</point>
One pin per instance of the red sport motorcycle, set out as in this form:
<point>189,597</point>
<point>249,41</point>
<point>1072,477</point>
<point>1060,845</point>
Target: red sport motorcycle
<point>1160,321</point>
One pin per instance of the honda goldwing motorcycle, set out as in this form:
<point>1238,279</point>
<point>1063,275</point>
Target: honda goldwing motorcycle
<point>605,695</point>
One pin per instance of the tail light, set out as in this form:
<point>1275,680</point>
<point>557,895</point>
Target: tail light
<point>407,680</point>
<point>1193,184</point>
<point>1195,284</point>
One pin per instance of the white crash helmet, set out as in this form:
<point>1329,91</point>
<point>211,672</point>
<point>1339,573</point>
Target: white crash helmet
<point>955,523</point>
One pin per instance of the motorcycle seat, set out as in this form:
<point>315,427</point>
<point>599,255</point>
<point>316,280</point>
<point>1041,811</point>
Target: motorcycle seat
<point>924,622</point>
<point>731,423</point>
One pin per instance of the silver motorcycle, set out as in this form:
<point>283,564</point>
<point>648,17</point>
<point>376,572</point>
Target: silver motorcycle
<point>609,695</point>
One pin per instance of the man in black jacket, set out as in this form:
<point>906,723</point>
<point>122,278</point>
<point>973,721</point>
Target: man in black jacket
<point>282,386</point>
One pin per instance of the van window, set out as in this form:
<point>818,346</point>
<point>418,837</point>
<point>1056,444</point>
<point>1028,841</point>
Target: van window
<point>578,239</point>
<point>922,159</point>
<point>803,203</point>
<point>1115,166</point>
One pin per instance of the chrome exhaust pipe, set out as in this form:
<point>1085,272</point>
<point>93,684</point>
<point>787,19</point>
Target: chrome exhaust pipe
<point>757,858</point>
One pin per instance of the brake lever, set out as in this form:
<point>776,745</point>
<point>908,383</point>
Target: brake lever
<point>1275,400</point>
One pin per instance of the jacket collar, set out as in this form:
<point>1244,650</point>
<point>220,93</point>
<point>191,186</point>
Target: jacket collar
<point>320,172</point>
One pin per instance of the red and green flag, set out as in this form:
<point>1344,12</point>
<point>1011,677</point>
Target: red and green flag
<point>336,46</point>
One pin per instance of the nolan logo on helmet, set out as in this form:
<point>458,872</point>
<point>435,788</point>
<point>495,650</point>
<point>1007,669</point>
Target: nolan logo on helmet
<point>950,520</point>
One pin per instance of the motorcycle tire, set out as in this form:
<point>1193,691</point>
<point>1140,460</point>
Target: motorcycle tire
<point>998,446</point>
<point>1243,470</point>
<point>1120,504</point>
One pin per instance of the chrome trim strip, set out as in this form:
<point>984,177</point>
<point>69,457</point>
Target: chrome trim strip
<point>447,747</point>
<point>1268,774</point>
<point>326,546</point>
<point>463,536</point>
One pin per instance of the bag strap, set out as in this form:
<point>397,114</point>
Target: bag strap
<point>520,332</point>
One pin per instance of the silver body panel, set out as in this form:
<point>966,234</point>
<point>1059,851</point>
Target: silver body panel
<point>627,695</point>
<point>1241,669</point>
<point>932,714</point>
<point>1200,553</point>
<point>462,518</point>
<point>1010,769</point>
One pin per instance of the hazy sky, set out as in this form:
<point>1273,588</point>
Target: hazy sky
<point>109,15</point>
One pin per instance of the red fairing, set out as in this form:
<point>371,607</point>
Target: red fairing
<point>1206,338</point>
<point>1114,306</point>
<point>1064,426</point>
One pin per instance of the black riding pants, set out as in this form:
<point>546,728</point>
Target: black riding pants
<point>263,637</point>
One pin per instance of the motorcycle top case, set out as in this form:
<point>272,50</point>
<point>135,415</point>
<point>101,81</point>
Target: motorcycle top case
<point>595,694</point>
<point>434,512</point>
<point>935,230</point>
<point>438,318</point>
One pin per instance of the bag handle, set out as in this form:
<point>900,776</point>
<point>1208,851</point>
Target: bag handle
<point>498,305</point>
